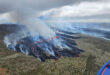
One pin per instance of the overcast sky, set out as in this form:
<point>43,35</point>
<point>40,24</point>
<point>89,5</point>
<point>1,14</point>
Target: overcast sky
<point>82,9</point>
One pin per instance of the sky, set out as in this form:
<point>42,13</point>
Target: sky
<point>66,10</point>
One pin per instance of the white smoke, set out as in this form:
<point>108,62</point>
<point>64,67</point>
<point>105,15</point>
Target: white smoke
<point>33,23</point>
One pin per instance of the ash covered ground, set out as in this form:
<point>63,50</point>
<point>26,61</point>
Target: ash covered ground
<point>16,63</point>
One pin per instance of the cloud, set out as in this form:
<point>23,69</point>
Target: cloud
<point>19,10</point>
<point>82,9</point>
<point>11,5</point>
<point>23,9</point>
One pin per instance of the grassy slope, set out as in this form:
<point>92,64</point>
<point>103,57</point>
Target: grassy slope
<point>95,55</point>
